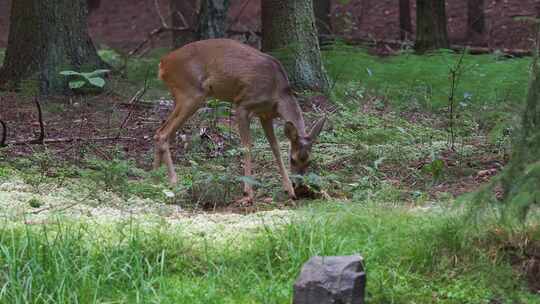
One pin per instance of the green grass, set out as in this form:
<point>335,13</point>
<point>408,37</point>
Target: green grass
<point>411,257</point>
<point>65,263</point>
<point>411,80</point>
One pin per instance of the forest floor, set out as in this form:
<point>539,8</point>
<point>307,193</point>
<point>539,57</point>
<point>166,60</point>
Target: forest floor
<point>390,175</point>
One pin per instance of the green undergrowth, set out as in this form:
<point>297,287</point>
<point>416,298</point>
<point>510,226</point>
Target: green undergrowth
<point>411,256</point>
<point>489,89</point>
<point>422,80</point>
<point>133,73</point>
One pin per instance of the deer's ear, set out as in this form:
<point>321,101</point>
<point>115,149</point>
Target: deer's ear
<point>317,128</point>
<point>291,132</point>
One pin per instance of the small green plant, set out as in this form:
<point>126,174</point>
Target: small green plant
<point>36,170</point>
<point>81,80</point>
<point>35,202</point>
<point>211,186</point>
<point>435,168</point>
<point>112,175</point>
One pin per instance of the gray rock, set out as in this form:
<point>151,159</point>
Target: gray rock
<point>331,280</point>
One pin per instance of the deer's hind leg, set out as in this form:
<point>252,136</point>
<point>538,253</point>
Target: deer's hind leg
<point>186,104</point>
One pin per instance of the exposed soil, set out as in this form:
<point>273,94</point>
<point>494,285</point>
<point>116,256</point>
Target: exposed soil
<point>94,118</point>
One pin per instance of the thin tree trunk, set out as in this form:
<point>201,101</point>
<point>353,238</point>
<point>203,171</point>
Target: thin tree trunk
<point>45,38</point>
<point>322,17</point>
<point>184,13</point>
<point>475,18</point>
<point>213,19</point>
<point>431,25</point>
<point>289,31</point>
<point>405,23</point>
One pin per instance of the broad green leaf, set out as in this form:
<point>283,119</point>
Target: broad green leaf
<point>98,72</point>
<point>97,81</point>
<point>70,73</point>
<point>76,84</point>
<point>313,179</point>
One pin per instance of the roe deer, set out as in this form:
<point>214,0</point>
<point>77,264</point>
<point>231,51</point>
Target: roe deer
<point>254,82</point>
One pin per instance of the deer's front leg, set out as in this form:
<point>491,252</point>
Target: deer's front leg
<point>268,128</point>
<point>245,137</point>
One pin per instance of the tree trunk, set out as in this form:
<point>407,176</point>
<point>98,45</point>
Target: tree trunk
<point>289,31</point>
<point>521,180</point>
<point>322,17</point>
<point>405,25</point>
<point>93,5</point>
<point>184,13</point>
<point>475,18</point>
<point>47,37</point>
<point>431,29</point>
<point>213,19</point>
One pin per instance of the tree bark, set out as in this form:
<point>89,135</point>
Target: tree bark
<point>475,18</point>
<point>405,25</point>
<point>184,11</point>
<point>213,19</point>
<point>322,17</point>
<point>289,31</point>
<point>93,5</point>
<point>431,29</point>
<point>47,37</point>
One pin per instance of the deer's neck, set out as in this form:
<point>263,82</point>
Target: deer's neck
<point>290,111</point>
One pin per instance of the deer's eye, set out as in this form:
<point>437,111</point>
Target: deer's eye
<point>293,162</point>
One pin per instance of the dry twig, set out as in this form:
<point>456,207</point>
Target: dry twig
<point>162,29</point>
<point>41,137</point>
<point>4,134</point>
<point>67,140</point>
<point>133,101</point>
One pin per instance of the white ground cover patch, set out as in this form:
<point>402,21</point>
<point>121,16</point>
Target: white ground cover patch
<point>110,214</point>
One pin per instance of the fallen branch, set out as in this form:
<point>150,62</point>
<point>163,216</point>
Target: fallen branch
<point>53,208</point>
<point>474,50</point>
<point>67,140</point>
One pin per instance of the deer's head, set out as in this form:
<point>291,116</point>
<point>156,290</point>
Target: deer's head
<point>299,155</point>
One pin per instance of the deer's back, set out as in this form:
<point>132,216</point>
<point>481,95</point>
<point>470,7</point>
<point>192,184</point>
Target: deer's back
<point>224,69</point>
